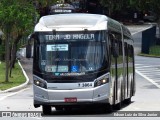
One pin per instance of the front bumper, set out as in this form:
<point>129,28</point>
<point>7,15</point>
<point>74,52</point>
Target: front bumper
<point>84,96</point>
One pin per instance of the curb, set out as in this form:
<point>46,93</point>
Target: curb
<point>20,86</point>
<point>147,55</point>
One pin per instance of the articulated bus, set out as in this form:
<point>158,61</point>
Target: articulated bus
<point>82,59</point>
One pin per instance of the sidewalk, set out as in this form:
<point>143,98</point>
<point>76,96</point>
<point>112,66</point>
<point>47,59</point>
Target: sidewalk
<point>27,66</point>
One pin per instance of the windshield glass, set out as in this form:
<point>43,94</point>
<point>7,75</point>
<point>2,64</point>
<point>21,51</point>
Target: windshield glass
<point>65,54</point>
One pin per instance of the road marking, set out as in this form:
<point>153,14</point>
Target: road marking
<point>150,80</point>
<point>151,67</point>
<point>155,71</point>
<point>156,80</point>
<point>4,97</point>
<point>138,64</point>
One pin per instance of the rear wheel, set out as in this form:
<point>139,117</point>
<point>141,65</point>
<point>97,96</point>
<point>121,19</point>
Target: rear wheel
<point>127,101</point>
<point>46,109</point>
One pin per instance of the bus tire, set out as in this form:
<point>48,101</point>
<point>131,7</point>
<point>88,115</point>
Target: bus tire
<point>58,108</point>
<point>118,106</point>
<point>127,101</point>
<point>107,108</point>
<point>67,108</point>
<point>46,109</point>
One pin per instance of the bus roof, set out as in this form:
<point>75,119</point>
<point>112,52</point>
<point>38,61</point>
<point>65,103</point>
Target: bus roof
<point>77,21</point>
<point>73,20</point>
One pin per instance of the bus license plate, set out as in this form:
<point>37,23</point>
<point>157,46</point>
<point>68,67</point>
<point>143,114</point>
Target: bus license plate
<point>70,99</point>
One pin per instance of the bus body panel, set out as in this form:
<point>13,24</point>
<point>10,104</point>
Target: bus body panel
<point>70,86</point>
<point>99,95</point>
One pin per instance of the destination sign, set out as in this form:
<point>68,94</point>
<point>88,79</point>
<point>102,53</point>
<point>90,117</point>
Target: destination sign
<point>70,37</point>
<point>62,11</point>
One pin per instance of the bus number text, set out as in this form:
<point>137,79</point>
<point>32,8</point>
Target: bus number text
<point>84,84</point>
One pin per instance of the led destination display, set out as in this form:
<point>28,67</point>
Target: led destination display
<point>79,35</point>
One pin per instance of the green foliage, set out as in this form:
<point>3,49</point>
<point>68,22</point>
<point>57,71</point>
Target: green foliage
<point>112,5</point>
<point>47,2</point>
<point>155,50</point>
<point>16,20</point>
<point>119,5</point>
<point>2,49</point>
<point>141,5</point>
<point>16,14</point>
<point>16,79</point>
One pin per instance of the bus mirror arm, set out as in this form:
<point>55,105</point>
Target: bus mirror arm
<point>29,46</point>
<point>30,37</point>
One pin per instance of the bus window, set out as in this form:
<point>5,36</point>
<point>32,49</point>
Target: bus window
<point>114,45</point>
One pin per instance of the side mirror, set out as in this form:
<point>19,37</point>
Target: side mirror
<point>29,46</point>
<point>29,51</point>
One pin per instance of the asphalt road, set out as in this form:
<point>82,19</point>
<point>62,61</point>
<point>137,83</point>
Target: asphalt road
<point>146,98</point>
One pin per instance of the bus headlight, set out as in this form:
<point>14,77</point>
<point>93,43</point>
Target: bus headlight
<point>101,81</point>
<point>40,83</point>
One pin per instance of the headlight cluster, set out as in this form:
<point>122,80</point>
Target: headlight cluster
<point>102,80</point>
<point>40,83</point>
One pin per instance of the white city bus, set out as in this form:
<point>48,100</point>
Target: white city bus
<point>82,59</point>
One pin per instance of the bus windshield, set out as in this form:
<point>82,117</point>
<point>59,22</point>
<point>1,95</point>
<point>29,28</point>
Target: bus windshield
<point>72,53</point>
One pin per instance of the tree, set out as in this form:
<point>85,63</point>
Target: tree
<point>154,5</point>
<point>16,20</point>
<point>112,5</point>
<point>149,5</point>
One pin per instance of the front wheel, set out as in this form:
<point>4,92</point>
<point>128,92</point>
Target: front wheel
<point>58,108</point>
<point>46,109</point>
<point>107,108</point>
<point>118,106</point>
